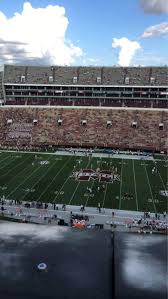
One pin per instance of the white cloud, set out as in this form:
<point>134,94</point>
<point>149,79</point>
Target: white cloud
<point>155,6</point>
<point>39,34</point>
<point>156,30</point>
<point>150,59</point>
<point>127,48</point>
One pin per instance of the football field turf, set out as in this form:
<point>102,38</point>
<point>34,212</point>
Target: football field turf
<point>53,178</point>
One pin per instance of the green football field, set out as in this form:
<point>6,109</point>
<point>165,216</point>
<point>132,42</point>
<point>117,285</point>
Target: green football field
<point>48,178</point>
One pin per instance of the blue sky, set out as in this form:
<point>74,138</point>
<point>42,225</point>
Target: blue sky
<point>108,32</point>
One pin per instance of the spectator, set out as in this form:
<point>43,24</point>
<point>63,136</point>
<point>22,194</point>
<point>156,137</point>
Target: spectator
<point>2,208</point>
<point>82,208</point>
<point>64,207</point>
<point>99,207</point>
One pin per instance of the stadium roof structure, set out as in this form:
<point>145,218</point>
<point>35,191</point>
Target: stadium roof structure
<point>83,75</point>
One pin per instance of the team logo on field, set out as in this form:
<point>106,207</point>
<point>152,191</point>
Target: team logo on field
<point>102,176</point>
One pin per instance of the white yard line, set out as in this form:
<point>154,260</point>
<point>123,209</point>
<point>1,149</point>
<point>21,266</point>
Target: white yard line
<point>58,172</point>
<point>18,175</point>
<point>136,197</point>
<point>121,183</point>
<point>9,162</point>
<point>24,181</point>
<point>2,158</point>
<point>22,161</point>
<point>40,178</point>
<point>104,197</point>
<point>74,193</point>
<point>160,178</point>
<point>63,184</point>
<point>150,188</point>
<point>88,197</point>
<point>78,184</point>
<point>3,161</point>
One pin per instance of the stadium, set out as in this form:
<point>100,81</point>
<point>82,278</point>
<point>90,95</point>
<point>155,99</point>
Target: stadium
<point>84,147</point>
<point>106,121</point>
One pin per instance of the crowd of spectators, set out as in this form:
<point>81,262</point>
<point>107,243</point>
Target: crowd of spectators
<point>122,129</point>
<point>147,223</point>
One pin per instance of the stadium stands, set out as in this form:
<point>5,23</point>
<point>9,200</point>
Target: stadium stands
<point>134,76</point>
<point>113,76</point>
<point>91,98</point>
<point>64,75</point>
<point>160,75</point>
<point>89,76</point>
<point>13,74</point>
<point>86,86</point>
<point>1,93</point>
<point>129,128</point>
<point>38,74</point>
<point>138,75</point>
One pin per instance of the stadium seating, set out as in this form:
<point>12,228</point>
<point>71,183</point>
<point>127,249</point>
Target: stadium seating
<point>38,74</point>
<point>84,127</point>
<point>96,90</point>
<point>1,95</point>
<point>13,73</point>
<point>89,75</point>
<point>64,75</point>
<point>160,75</point>
<point>113,76</point>
<point>138,75</point>
<point>85,86</point>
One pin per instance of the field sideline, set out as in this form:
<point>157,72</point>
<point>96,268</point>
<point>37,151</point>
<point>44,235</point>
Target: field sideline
<point>48,178</point>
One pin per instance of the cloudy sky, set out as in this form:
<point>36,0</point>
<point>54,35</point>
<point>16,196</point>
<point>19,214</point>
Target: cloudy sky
<point>84,32</point>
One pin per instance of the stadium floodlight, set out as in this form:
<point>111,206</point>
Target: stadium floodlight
<point>84,122</point>
<point>50,79</point>
<point>127,80</point>
<point>35,121</point>
<point>22,79</point>
<point>59,122</point>
<point>152,80</point>
<point>134,124</point>
<point>99,80</point>
<point>75,79</point>
<point>161,126</point>
<point>109,123</point>
<point>9,121</point>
